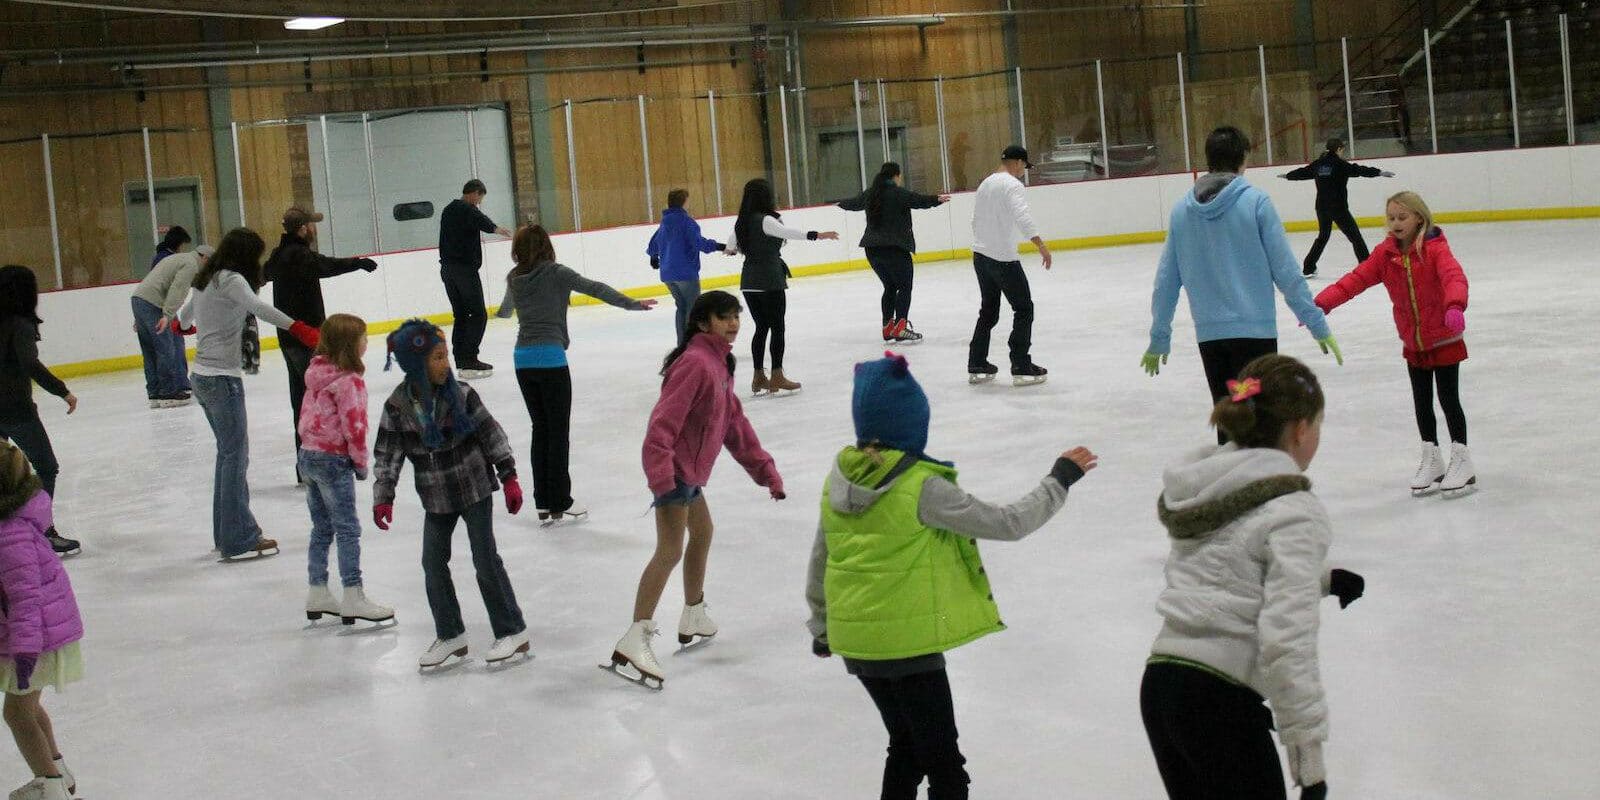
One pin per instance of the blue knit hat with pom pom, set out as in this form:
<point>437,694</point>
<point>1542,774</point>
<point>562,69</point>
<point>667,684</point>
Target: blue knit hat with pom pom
<point>410,345</point>
<point>889,406</point>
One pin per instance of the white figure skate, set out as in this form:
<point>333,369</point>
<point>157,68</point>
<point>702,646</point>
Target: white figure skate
<point>1429,472</point>
<point>504,649</point>
<point>357,606</point>
<point>1461,479</point>
<point>633,656</point>
<point>695,626</point>
<point>442,650</point>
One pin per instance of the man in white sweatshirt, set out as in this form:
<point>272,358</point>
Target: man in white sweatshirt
<point>1001,211</point>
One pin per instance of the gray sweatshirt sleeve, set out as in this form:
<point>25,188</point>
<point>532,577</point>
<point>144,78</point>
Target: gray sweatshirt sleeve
<point>599,291</point>
<point>815,597</point>
<point>945,505</point>
<point>239,292</point>
<point>179,288</point>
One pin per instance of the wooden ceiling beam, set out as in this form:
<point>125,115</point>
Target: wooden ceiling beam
<point>375,10</point>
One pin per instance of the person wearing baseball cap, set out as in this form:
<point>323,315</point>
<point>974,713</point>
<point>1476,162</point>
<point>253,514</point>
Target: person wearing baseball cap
<point>1000,210</point>
<point>155,302</point>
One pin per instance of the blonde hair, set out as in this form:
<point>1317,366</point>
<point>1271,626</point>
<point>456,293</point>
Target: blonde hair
<point>341,342</point>
<point>1413,202</point>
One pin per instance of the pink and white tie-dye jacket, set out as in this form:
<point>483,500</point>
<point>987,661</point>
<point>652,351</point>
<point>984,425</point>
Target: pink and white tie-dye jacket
<point>333,415</point>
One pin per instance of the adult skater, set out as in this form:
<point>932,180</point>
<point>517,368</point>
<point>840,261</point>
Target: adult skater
<point>20,368</point>
<point>1000,211</point>
<point>759,233</point>
<point>296,271</point>
<point>172,242</point>
<point>1225,244</point>
<point>889,243</point>
<point>460,259</point>
<point>155,303</point>
<point>675,249</point>
<point>1332,172</point>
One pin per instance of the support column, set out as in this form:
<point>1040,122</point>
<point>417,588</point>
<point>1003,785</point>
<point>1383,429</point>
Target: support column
<point>545,181</point>
<point>1008,36</point>
<point>1305,24</point>
<point>219,110</point>
<point>1191,39</point>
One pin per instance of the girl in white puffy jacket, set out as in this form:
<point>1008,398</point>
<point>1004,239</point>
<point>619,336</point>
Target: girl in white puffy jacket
<point>1244,580</point>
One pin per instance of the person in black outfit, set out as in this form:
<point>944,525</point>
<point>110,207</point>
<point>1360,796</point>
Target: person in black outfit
<point>1332,172</point>
<point>19,370</point>
<point>889,243</point>
<point>460,258</point>
<point>759,233</point>
<point>295,270</point>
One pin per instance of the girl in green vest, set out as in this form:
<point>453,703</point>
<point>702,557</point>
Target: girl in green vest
<point>891,513</point>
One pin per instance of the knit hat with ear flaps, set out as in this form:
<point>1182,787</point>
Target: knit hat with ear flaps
<point>889,406</point>
<point>410,345</point>
<point>18,484</point>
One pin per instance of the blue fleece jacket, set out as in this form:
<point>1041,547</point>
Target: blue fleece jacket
<point>1226,246</point>
<point>678,245</point>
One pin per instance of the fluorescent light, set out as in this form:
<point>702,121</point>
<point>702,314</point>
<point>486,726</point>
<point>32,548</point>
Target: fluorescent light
<point>312,23</point>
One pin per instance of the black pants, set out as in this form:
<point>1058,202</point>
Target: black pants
<point>893,268</point>
<point>464,287</point>
<point>921,720</point>
<point>28,434</point>
<point>548,394</point>
<point>1224,358</point>
<point>1326,219</point>
<point>996,279</point>
<point>296,359</point>
<point>1448,380</point>
<point>505,618</point>
<point>767,310</point>
<point>1212,739</point>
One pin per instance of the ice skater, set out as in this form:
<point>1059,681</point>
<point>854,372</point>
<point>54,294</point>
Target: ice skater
<point>540,289</point>
<point>332,457</point>
<point>39,627</point>
<point>890,243</point>
<point>173,242</point>
<point>895,578</point>
<point>1332,173</point>
<point>675,249</point>
<point>1244,577</point>
<point>461,456</point>
<point>1000,210</point>
<point>460,260</point>
<point>20,368</point>
<point>759,234</point>
<point>1225,244</point>
<point>155,302</point>
<point>1429,293</point>
<point>697,415</point>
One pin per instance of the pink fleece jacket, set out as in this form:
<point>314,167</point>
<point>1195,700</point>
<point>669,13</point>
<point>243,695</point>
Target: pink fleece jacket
<point>39,613</point>
<point>333,415</point>
<point>697,415</point>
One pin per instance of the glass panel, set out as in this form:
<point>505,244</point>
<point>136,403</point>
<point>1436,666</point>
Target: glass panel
<point>548,128</point>
<point>101,207</point>
<point>1063,113</point>
<point>980,116</point>
<point>680,154</point>
<point>1291,107</point>
<point>749,149</point>
<point>347,229</point>
<point>186,187</point>
<point>26,239</point>
<point>1131,118</point>
<point>610,162</point>
<point>914,134</point>
<point>1541,103</point>
<point>1583,43</point>
<point>1225,89</point>
<point>1471,85</point>
<point>833,167</point>
<point>420,155</point>
<point>493,130</point>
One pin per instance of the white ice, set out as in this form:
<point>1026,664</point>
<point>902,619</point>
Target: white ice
<point>1466,671</point>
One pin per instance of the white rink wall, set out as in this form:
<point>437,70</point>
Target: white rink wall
<point>92,325</point>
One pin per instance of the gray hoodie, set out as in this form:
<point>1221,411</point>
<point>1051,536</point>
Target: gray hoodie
<point>541,297</point>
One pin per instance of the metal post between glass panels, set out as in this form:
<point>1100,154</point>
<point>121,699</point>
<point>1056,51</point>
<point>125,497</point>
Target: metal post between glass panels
<point>644,147</point>
<point>572,168</point>
<point>1349,107</point>
<point>861,135</point>
<point>150,188</point>
<point>238,169</point>
<point>788,160</point>
<point>372,181</point>
<point>1566,79</point>
<point>1433,116</point>
<point>327,182</point>
<point>472,141</point>
<point>50,198</point>
<point>1100,94</point>
<point>1183,111</point>
<point>1022,119</point>
<point>805,143</point>
<point>1266,112</point>
<point>883,121</point>
<point>1511,73</point>
<point>944,144</point>
<point>716,154</point>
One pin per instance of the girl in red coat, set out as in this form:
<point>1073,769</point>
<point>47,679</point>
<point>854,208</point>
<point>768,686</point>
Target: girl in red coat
<point>1429,292</point>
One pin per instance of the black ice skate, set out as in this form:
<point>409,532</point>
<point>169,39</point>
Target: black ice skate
<point>1030,375</point>
<point>574,513</point>
<point>62,545</point>
<point>982,373</point>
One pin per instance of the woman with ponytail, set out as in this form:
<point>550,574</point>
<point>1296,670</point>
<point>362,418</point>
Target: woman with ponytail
<point>889,243</point>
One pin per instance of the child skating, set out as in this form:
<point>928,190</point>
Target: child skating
<point>1429,292</point>
<point>895,578</point>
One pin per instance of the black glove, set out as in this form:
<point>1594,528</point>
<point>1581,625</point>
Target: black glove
<point>367,264</point>
<point>655,262</point>
<point>1316,791</point>
<point>819,648</point>
<point>1346,585</point>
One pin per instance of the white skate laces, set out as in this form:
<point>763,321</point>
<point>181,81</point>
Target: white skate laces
<point>633,659</point>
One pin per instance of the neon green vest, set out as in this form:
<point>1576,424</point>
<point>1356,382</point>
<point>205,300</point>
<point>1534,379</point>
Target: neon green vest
<point>895,587</point>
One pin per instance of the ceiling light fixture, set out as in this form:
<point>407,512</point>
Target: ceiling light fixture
<point>311,23</point>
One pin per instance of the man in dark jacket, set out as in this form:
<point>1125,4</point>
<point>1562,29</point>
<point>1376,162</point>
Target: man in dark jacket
<point>1332,172</point>
<point>296,271</point>
<point>460,258</point>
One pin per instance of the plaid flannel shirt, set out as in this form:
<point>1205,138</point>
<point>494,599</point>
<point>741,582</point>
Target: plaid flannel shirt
<point>464,471</point>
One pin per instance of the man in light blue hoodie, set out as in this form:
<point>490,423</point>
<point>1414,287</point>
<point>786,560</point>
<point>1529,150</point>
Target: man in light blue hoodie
<point>1226,245</point>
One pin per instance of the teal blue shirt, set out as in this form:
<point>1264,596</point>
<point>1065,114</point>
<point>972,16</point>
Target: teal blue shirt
<point>539,356</point>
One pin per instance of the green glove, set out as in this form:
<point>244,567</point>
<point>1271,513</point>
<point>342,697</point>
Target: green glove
<point>1152,363</point>
<point>1331,345</point>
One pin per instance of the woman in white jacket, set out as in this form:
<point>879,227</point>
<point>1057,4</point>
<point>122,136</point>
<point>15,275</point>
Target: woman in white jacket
<point>1244,580</point>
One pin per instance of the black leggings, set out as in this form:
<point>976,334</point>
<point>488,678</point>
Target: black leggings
<point>547,392</point>
<point>767,310</point>
<point>1449,382</point>
<point>1326,219</point>
<point>1212,739</point>
<point>893,268</point>
<point>921,720</point>
<point>29,435</point>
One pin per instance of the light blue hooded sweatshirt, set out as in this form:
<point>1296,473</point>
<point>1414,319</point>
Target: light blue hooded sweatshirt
<point>1226,246</point>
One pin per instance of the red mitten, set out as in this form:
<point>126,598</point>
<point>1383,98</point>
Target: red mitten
<point>382,515</point>
<point>513,492</point>
<point>177,327</point>
<point>307,335</point>
<point>777,492</point>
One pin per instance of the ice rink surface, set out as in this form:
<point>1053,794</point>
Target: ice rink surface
<point>1466,671</point>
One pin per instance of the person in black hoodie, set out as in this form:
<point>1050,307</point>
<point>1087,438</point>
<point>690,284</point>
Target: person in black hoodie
<point>19,370</point>
<point>296,272</point>
<point>889,243</point>
<point>1332,172</point>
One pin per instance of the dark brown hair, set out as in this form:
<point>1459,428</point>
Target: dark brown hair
<point>1289,393</point>
<point>677,197</point>
<point>715,303</point>
<point>240,251</point>
<point>530,247</point>
<point>341,342</point>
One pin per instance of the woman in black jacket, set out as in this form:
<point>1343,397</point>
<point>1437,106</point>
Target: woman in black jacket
<point>889,244</point>
<point>20,368</point>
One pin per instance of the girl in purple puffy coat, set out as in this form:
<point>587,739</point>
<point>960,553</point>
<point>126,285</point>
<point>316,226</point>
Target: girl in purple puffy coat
<point>39,625</point>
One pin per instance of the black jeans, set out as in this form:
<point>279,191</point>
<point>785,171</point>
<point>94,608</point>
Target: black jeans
<point>767,310</point>
<point>296,359</point>
<point>1326,219</point>
<point>547,392</point>
<point>921,720</point>
<point>1224,358</point>
<point>1448,380</point>
<point>997,278</point>
<point>29,435</point>
<point>505,618</point>
<point>1212,739</point>
<point>464,287</point>
<point>893,268</point>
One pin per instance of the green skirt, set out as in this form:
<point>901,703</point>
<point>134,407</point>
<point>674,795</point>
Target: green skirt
<point>56,668</point>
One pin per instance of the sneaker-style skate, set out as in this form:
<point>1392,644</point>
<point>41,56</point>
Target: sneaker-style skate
<point>981,373</point>
<point>357,606</point>
<point>759,386</point>
<point>633,656</point>
<point>695,626</point>
<point>781,385</point>
<point>574,513</point>
<point>1461,479</point>
<point>473,369</point>
<point>42,789</point>
<point>320,602</point>
<point>178,400</point>
<point>907,335</point>
<point>1030,375</point>
<point>1429,472</point>
<point>66,775</point>
<point>442,650</point>
<point>504,649</point>
<point>888,332</point>
<point>263,548</point>
<point>61,544</point>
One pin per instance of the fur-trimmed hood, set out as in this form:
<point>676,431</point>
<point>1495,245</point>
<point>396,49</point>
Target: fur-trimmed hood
<point>1208,488</point>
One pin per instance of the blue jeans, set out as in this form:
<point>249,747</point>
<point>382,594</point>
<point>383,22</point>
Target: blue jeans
<point>331,499</point>
<point>233,528</point>
<point>682,494</point>
<point>166,366</point>
<point>505,617</point>
<point>684,293</point>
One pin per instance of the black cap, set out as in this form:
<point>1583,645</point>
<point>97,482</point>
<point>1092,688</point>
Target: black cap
<point>1017,152</point>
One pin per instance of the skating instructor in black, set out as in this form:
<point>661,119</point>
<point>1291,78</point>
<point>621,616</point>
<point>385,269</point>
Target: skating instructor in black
<point>460,258</point>
<point>889,243</point>
<point>1332,172</point>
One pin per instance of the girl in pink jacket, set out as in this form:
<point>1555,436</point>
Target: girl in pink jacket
<point>697,415</point>
<point>333,456</point>
<point>39,625</point>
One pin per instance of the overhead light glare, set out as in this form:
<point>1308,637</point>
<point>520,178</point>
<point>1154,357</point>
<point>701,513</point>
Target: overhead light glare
<point>312,23</point>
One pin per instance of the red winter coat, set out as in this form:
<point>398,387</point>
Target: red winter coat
<point>699,414</point>
<point>1422,287</point>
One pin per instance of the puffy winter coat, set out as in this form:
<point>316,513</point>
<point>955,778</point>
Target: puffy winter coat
<point>697,415</point>
<point>38,612</point>
<point>1422,287</point>
<point>333,415</point>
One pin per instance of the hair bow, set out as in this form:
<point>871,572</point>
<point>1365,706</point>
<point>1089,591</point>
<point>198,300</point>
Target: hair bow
<point>1240,391</point>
